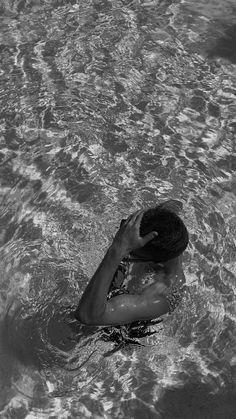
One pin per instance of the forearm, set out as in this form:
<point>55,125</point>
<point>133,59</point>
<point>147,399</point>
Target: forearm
<point>93,301</point>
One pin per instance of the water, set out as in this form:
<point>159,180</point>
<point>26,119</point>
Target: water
<point>108,107</point>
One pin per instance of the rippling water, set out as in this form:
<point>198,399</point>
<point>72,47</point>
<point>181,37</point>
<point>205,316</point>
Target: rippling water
<point>107,107</point>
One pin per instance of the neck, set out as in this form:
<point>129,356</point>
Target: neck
<point>173,265</point>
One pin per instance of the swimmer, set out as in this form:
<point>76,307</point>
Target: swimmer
<point>157,236</point>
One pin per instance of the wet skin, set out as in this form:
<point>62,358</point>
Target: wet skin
<point>94,309</point>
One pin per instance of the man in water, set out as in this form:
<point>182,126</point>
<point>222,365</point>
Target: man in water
<point>148,241</point>
<point>155,236</point>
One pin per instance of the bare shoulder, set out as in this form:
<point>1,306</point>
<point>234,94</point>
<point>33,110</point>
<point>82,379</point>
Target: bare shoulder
<point>174,270</point>
<point>172,275</point>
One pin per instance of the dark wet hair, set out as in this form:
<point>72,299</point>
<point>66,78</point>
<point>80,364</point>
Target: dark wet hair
<point>172,237</point>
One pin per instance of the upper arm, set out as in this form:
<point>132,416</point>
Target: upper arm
<point>125,309</point>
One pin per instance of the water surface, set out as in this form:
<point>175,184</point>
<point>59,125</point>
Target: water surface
<point>108,107</point>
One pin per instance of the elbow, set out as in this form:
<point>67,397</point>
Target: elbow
<point>87,319</point>
<point>81,316</point>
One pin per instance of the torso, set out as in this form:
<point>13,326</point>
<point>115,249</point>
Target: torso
<point>142,274</point>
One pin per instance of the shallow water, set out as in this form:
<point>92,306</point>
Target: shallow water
<point>108,107</point>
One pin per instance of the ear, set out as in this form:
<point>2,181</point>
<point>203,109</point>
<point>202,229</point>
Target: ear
<point>172,205</point>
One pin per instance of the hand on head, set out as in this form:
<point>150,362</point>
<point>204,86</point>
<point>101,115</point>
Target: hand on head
<point>128,236</point>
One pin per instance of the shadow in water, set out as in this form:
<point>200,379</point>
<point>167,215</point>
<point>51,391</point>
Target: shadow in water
<point>32,342</point>
<point>43,338</point>
<point>197,401</point>
<point>225,46</point>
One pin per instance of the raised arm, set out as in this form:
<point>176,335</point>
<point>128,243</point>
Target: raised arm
<point>93,307</point>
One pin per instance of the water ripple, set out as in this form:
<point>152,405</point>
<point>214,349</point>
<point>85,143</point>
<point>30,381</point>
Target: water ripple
<point>106,108</point>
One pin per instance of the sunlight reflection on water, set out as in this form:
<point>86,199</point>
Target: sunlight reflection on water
<point>106,108</point>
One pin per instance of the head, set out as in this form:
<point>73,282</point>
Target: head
<point>172,237</point>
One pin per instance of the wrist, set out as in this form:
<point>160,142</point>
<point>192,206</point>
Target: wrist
<point>117,250</point>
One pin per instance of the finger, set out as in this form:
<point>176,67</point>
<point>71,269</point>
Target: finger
<point>131,217</point>
<point>122,222</point>
<point>149,237</point>
<point>139,216</point>
<point>128,219</point>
